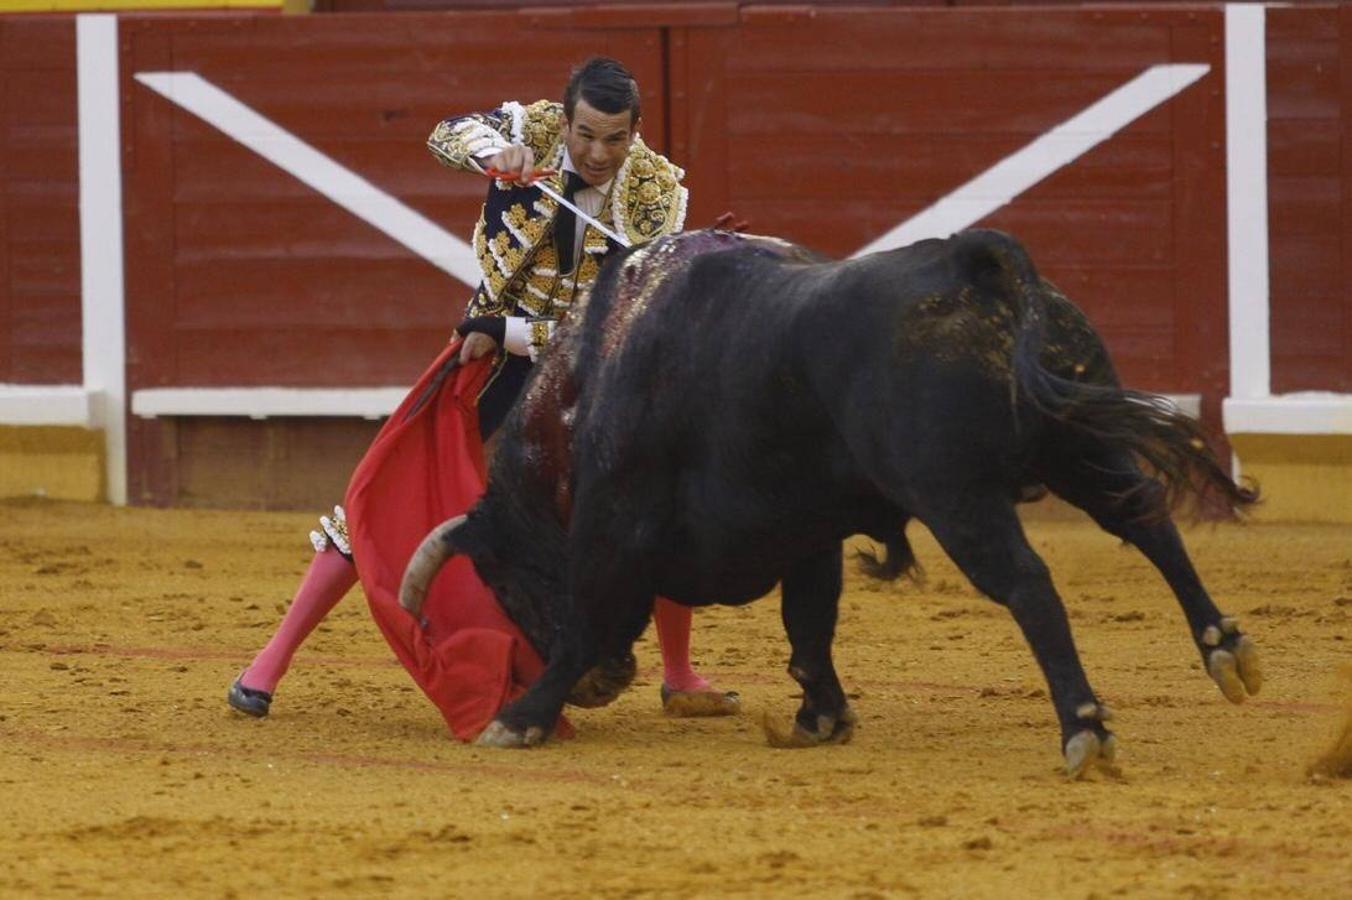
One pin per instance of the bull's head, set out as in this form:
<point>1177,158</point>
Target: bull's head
<point>527,597</point>
<point>433,553</point>
<point>532,606</point>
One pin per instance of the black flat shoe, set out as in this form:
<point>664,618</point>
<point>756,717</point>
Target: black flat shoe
<point>248,701</point>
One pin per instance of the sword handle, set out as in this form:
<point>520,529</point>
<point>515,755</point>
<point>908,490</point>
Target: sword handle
<point>534,176</point>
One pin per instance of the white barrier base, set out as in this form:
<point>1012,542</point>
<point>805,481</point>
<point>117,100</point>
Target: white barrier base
<point>1308,412</point>
<point>48,404</point>
<point>267,402</point>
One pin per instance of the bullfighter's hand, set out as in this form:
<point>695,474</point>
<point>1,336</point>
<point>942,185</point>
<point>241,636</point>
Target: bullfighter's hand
<point>476,345</point>
<point>517,162</point>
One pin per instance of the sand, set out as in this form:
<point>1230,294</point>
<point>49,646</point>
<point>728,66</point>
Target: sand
<point>125,774</point>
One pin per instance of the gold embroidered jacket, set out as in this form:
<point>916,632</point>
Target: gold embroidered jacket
<point>514,235</point>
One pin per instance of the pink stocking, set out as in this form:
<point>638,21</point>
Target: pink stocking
<point>673,636</point>
<point>326,581</point>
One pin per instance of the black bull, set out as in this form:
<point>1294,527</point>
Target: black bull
<point>724,410</point>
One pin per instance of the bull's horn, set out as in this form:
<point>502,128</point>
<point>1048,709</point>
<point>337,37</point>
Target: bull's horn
<point>426,562</point>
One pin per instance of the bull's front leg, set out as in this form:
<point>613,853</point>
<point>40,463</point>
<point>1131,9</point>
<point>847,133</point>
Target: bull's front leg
<point>595,626</point>
<point>530,719</point>
<point>811,598</point>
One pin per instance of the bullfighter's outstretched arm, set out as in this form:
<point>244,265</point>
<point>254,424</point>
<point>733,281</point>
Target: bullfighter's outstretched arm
<point>523,132</point>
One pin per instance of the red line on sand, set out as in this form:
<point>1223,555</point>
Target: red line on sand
<point>354,761</point>
<point>1009,691</point>
<point>203,653</point>
<point>1167,839</point>
<point>757,678</point>
<point>1294,706</point>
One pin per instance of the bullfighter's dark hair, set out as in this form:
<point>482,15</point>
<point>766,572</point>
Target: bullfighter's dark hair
<point>606,85</point>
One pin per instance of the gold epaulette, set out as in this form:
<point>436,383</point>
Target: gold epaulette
<point>648,199</point>
<point>541,130</point>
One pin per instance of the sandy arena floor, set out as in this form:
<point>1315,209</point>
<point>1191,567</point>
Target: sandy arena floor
<point>125,775</point>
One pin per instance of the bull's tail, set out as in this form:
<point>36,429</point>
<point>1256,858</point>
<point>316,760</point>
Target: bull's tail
<point>1170,442</point>
<point>1172,445</point>
<point>898,560</point>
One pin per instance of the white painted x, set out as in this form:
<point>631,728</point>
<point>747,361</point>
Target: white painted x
<point>962,207</point>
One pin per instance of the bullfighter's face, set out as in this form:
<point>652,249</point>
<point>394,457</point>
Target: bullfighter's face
<point>598,142</point>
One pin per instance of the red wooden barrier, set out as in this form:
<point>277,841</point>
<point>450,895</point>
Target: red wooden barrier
<point>833,125</point>
<point>1310,197</point>
<point>828,125</point>
<point>39,196</point>
<point>238,274</point>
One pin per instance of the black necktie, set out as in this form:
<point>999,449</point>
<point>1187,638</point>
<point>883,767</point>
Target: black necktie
<point>565,223</point>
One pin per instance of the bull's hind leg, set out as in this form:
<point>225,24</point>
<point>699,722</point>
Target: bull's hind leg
<point>1112,489</point>
<point>811,598</point>
<point>986,541</point>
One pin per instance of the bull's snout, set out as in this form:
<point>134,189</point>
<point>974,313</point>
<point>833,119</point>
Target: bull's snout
<point>426,562</point>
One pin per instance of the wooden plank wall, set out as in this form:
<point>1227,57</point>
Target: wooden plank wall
<point>826,124</point>
<point>405,6</point>
<point>241,274</point>
<point>835,125</point>
<point>238,274</point>
<point>1310,197</point>
<point>39,203</point>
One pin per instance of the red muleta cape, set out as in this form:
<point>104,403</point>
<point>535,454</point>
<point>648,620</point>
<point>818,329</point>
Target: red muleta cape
<point>425,466</point>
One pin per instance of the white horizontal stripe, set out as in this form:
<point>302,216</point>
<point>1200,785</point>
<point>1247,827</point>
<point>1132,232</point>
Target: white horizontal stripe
<point>335,181</point>
<point>1191,404</point>
<point>264,402</point>
<point>48,404</point>
<point>1312,412</point>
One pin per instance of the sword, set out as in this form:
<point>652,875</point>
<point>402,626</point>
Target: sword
<point>537,179</point>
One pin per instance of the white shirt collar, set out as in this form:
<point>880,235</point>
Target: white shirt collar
<point>569,167</point>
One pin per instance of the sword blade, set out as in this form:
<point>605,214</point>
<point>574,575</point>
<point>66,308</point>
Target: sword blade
<point>558,198</point>
<point>550,192</point>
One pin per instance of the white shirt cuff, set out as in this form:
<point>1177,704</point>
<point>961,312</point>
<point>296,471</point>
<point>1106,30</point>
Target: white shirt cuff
<point>516,336</point>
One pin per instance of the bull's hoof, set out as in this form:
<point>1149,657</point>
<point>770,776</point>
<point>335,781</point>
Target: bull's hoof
<point>828,731</point>
<point>1085,749</point>
<point>1232,660</point>
<point>605,682</point>
<point>697,704</point>
<point>499,735</point>
<point>1094,745</point>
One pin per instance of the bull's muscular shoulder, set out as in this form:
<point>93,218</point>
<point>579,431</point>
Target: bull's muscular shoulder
<point>648,199</point>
